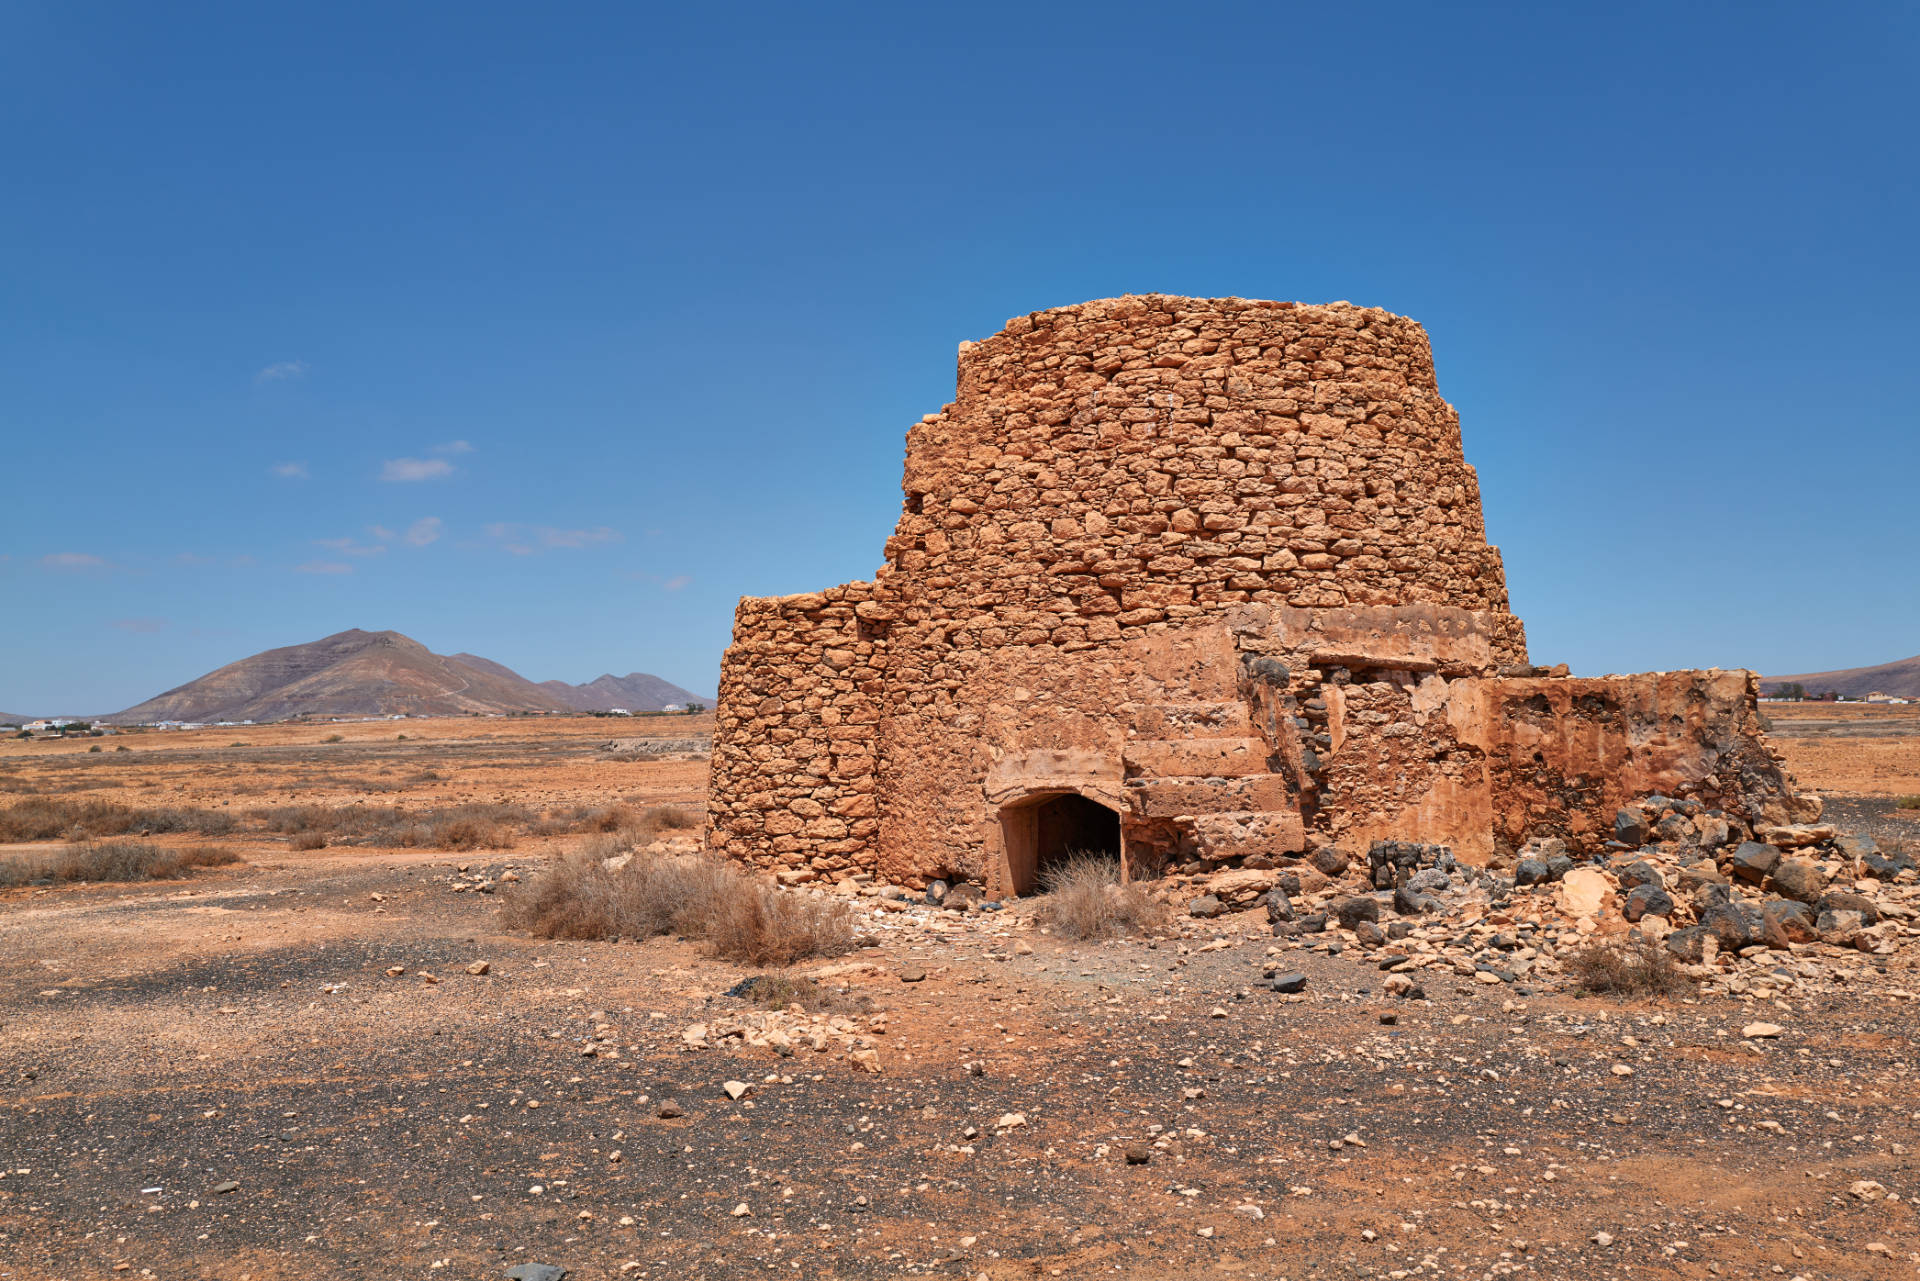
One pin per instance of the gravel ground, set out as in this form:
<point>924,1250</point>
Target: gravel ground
<point>220,1078</point>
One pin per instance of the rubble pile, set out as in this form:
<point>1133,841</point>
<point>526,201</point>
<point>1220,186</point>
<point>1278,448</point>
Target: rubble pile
<point>1753,913</point>
<point>790,1030</point>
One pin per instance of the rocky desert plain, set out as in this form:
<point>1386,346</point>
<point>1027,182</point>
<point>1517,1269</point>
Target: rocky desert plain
<point>332,1058</point>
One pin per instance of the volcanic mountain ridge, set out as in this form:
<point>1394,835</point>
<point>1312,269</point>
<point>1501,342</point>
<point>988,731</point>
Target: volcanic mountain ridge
<point>361,673</point>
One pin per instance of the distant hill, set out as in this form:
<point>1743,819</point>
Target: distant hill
<point>351,673</point>
<point>636,692</point>
<point>1901,679</point>
<point>358,673</point>
<point>8,718</point>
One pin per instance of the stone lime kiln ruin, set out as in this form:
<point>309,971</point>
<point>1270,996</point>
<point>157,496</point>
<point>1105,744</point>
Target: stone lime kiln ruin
<point>1190,581</point>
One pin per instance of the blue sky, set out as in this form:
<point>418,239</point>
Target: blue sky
<point>546,332</point>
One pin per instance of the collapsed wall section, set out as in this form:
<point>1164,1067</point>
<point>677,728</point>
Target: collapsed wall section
<point>796,733</point>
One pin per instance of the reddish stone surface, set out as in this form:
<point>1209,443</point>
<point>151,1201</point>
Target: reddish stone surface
<point>1218,566</point>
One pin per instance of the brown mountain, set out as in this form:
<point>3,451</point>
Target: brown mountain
<point>1901,679</point>
<point>636,692</point>
<point>351,673</point>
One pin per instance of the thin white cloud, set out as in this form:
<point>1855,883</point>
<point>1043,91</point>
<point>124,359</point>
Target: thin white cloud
<point>678,581</point>
<point>323,567</point>
<point>525,540</point>
<point>454,447</point>
<point>550,537</point>
<point>381,532</point>
<point>406,469</point>
<point>282,371</point>
<point>423,531</point>
<point>143,626</point>
<point>72,561</point>
<point>349,546</point>
<point>289,471</point>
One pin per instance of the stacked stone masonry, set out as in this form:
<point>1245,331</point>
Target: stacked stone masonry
<point>1217,567</point>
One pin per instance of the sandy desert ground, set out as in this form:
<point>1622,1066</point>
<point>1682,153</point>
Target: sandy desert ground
<point>286,1068</point>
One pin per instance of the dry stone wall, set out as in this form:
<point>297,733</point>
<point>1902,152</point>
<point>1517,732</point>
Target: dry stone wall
<point>1128,502</point>
<point>795,737</point>
<point>1149,459</point>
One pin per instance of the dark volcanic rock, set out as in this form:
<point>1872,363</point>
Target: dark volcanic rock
<point>1846,901</point>
<point>1647,900</point>
<point>1354,909</point>
<point>1630,827</point>
<point>1788,922</point>
<point>1638,873</point>
<point>1799,879</point>
<point>1410,902</point>
<point>1531,871</point>
<point>1329,860</point>
<point>1753,861</point>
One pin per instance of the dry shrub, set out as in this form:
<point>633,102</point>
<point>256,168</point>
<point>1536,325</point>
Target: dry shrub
<point>334,738</point>
<point>606,845</point>
<point>1627,967</point>
<point>648,822</point>
<point>309,841</point>
<point>296,819</point>
<point>473,834</point>
<point>477,827</point>
<point>45,818</point>
<point>1085,900</point>
<point>113,861</point>
<point>1908,803</point>
<point>760,925</point>
<point>614,818</point>
<point>464,827</point>
<point>674,817</point>
<point>580,897</point>
<point>208,856</point>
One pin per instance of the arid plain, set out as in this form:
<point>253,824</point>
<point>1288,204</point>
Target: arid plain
<point>331,1058</point>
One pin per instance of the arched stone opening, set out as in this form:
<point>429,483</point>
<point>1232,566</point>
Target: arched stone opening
<point>1040,832</point>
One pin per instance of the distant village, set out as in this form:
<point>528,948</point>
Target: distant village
<point>1793,692</point>
<point>76,727</point>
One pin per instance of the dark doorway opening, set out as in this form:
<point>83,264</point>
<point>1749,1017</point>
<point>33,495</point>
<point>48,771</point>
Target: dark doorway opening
<point>1042,833</point>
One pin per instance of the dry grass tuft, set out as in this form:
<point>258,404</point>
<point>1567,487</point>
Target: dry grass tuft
<point>1627,967</point>
<point>639,823</point>
<point>757,924</point>
<point>470,832</point>
<point>1907,802</point>
<point>47,818</point>
<point>113,861</point>
<point>1085,900</point>
<point>309,840</point>
<point>580,897</point>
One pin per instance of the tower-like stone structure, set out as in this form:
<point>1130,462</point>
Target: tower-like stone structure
<point>1187,580</point>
